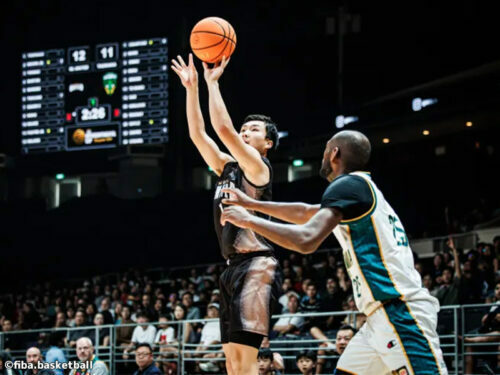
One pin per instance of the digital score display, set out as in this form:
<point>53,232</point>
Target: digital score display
<point>94,97</point>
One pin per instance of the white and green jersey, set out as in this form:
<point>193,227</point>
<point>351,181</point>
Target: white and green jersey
<point>375,247</point>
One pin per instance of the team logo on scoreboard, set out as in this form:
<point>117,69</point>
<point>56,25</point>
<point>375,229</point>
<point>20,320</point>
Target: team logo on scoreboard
<point>78,136</point>
<point>109,82</point>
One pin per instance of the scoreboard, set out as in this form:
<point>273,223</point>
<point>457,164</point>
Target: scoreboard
<point>95,96</point>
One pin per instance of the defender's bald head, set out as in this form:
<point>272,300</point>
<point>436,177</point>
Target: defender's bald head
<point>354,148</point>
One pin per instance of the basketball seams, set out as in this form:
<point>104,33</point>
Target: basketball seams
<point>217,47</point>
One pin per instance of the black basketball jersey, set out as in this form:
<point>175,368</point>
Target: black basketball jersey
<point>232,239</point>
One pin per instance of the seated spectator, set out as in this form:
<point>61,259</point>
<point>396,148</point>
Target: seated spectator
<point>106,310</point>
<point>11,341</point>
<point>210,335</point>
<point>450,290</point>
<point>82,331</point>
<point>90,312</point>
<point>356,320</point>
<point>144,360</point>
<point>306,362</point>
<point>54,353</point>
<point>193,312</point>
<point>332,301</point>
<point>4,357</point>
<point>85,354</point>
<point>344,335</point>
<point>289,324</point>
<point>166,342</point>
<point>158,309</point>
<point>286,287</point>
<point>103,332</point>
<point>144,333</point>
<point>265,359</point>
<point>34,356</point>
<point>124,333</point>
<point>490,328</point>
<point>179,314</point>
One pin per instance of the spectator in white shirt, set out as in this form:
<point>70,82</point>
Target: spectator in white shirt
<point>143,333</point>
<point>289,324</point>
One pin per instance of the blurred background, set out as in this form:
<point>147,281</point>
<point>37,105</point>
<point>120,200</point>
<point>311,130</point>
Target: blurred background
<point>96,230</point>
<point>420,79</point>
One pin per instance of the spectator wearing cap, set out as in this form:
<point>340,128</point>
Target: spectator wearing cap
<point>144,360</point>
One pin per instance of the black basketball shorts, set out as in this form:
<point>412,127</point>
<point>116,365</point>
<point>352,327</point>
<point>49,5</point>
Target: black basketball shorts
<point>250,287</point>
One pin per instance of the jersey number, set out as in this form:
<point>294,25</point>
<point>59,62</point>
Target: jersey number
<point>398,232</point>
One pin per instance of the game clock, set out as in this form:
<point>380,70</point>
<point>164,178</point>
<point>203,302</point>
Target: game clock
<point>94,97</point>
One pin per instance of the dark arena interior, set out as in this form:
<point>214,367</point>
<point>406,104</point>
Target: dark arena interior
<point>107,207</point>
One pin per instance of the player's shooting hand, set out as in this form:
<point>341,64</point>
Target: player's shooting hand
<point>235,215</point>
<point>237,197</point>
<point>213,74</point>
<point>187,73</point>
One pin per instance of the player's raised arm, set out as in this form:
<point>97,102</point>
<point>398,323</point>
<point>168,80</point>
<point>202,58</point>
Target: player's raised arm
<point>208,149</point>
<point>249,159</point>
<point>304,238</point>
<point>293,212</point>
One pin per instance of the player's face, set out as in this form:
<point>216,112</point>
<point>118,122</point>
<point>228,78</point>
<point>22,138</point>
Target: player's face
<point>264,366</point>
<point>326,170</point>
<point>343,338</point>
<point>254,134</point>
<point>305,365</point>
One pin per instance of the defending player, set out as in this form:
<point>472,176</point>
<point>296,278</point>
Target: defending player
<point>250,284</point>
<point>399,336</point>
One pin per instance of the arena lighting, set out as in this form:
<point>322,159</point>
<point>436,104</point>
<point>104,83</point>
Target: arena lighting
<point>426,132</point>
<point>418,104</point>
<point>298,163</point>
<point>341,120</point>
<point>386,140</point>
<point>468,124</point>
<point>60,176</point>
<point>282,134</point>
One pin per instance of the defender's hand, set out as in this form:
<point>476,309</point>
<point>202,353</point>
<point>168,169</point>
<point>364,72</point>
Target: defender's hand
<point>187,73</point>
<point>235,215</point>
<point>238,198</point>
<point>213,74</point>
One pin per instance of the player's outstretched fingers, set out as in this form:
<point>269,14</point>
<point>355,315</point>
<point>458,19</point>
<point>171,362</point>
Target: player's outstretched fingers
<point>183,64</point>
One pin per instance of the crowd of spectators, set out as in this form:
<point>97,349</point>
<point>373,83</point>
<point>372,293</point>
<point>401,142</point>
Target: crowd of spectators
<point>134,300</point>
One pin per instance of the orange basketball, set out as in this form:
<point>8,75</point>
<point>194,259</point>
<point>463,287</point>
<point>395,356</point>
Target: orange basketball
<point>212,38</point>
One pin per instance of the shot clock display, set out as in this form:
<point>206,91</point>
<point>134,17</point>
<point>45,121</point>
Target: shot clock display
<point>92,97</point>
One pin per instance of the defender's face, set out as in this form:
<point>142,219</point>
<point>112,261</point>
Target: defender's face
<point>254,134</point>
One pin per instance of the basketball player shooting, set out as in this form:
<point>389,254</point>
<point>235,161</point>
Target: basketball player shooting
<point>250,284</point>
<point>399,336</point>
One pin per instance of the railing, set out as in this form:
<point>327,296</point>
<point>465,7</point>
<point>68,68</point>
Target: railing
<point>477,351</point>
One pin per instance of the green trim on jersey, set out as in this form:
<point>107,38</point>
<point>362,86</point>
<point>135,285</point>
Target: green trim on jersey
<point>370,259</point>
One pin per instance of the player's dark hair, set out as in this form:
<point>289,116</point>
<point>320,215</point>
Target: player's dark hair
<point>145,345</point>
<point>354,149</point>
<point>307,354</point>
<point>265,353</point>
<point>271,128</point>
<point>346,327</point>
